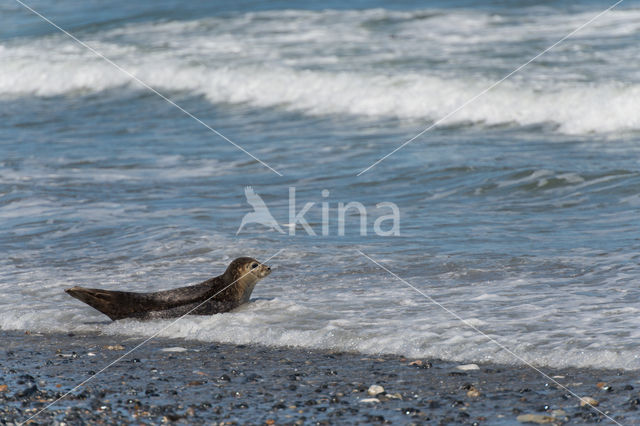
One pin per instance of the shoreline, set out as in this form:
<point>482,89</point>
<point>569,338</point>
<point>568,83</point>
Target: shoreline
<point>174,380</point>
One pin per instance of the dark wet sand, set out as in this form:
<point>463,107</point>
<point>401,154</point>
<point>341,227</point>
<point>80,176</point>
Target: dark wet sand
<point>221,383</point>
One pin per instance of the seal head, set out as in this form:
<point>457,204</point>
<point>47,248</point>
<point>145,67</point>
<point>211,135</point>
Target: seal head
<point>242,276</point>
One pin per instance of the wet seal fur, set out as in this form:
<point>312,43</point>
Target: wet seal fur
<point>240,278</point>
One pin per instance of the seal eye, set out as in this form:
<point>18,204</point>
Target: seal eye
<point>254,266</point>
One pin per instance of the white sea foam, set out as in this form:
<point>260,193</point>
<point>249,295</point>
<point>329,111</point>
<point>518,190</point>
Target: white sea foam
<point>276,322</point>
<point>586,108</point>
<point>327,316</point>
<point>294,62</point>
<point>159,168</point>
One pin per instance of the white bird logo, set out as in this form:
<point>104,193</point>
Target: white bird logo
<point>260,213</point>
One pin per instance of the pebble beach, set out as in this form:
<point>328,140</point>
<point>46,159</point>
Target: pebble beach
<point>182,382</point>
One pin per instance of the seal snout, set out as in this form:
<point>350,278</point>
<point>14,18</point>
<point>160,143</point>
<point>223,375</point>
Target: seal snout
<point>265,270</point>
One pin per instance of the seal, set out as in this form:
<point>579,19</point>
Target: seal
<point>215,295</point>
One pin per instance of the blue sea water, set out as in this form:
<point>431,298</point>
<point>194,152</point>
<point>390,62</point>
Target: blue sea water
<point>519,213</point>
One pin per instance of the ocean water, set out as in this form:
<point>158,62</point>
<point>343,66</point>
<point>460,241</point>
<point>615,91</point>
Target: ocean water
<point>520,213</point>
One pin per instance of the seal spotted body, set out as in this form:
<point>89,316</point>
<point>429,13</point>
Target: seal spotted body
<point>215,295</point>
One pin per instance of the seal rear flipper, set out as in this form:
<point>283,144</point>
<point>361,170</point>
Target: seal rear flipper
<point>114,304</point>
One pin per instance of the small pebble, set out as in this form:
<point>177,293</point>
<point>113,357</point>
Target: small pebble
<point>535,418</point>
<point>587,400</point>
<point>420,364</point>
<point>473,392</point>
<point>174,349</point>
<point>370,400</point>
<point>634,402</point>
<point>114,347</point>
<point>27,392</point>
<point>411,411</point>
<point>468,367</point>
<point>375,390</point>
